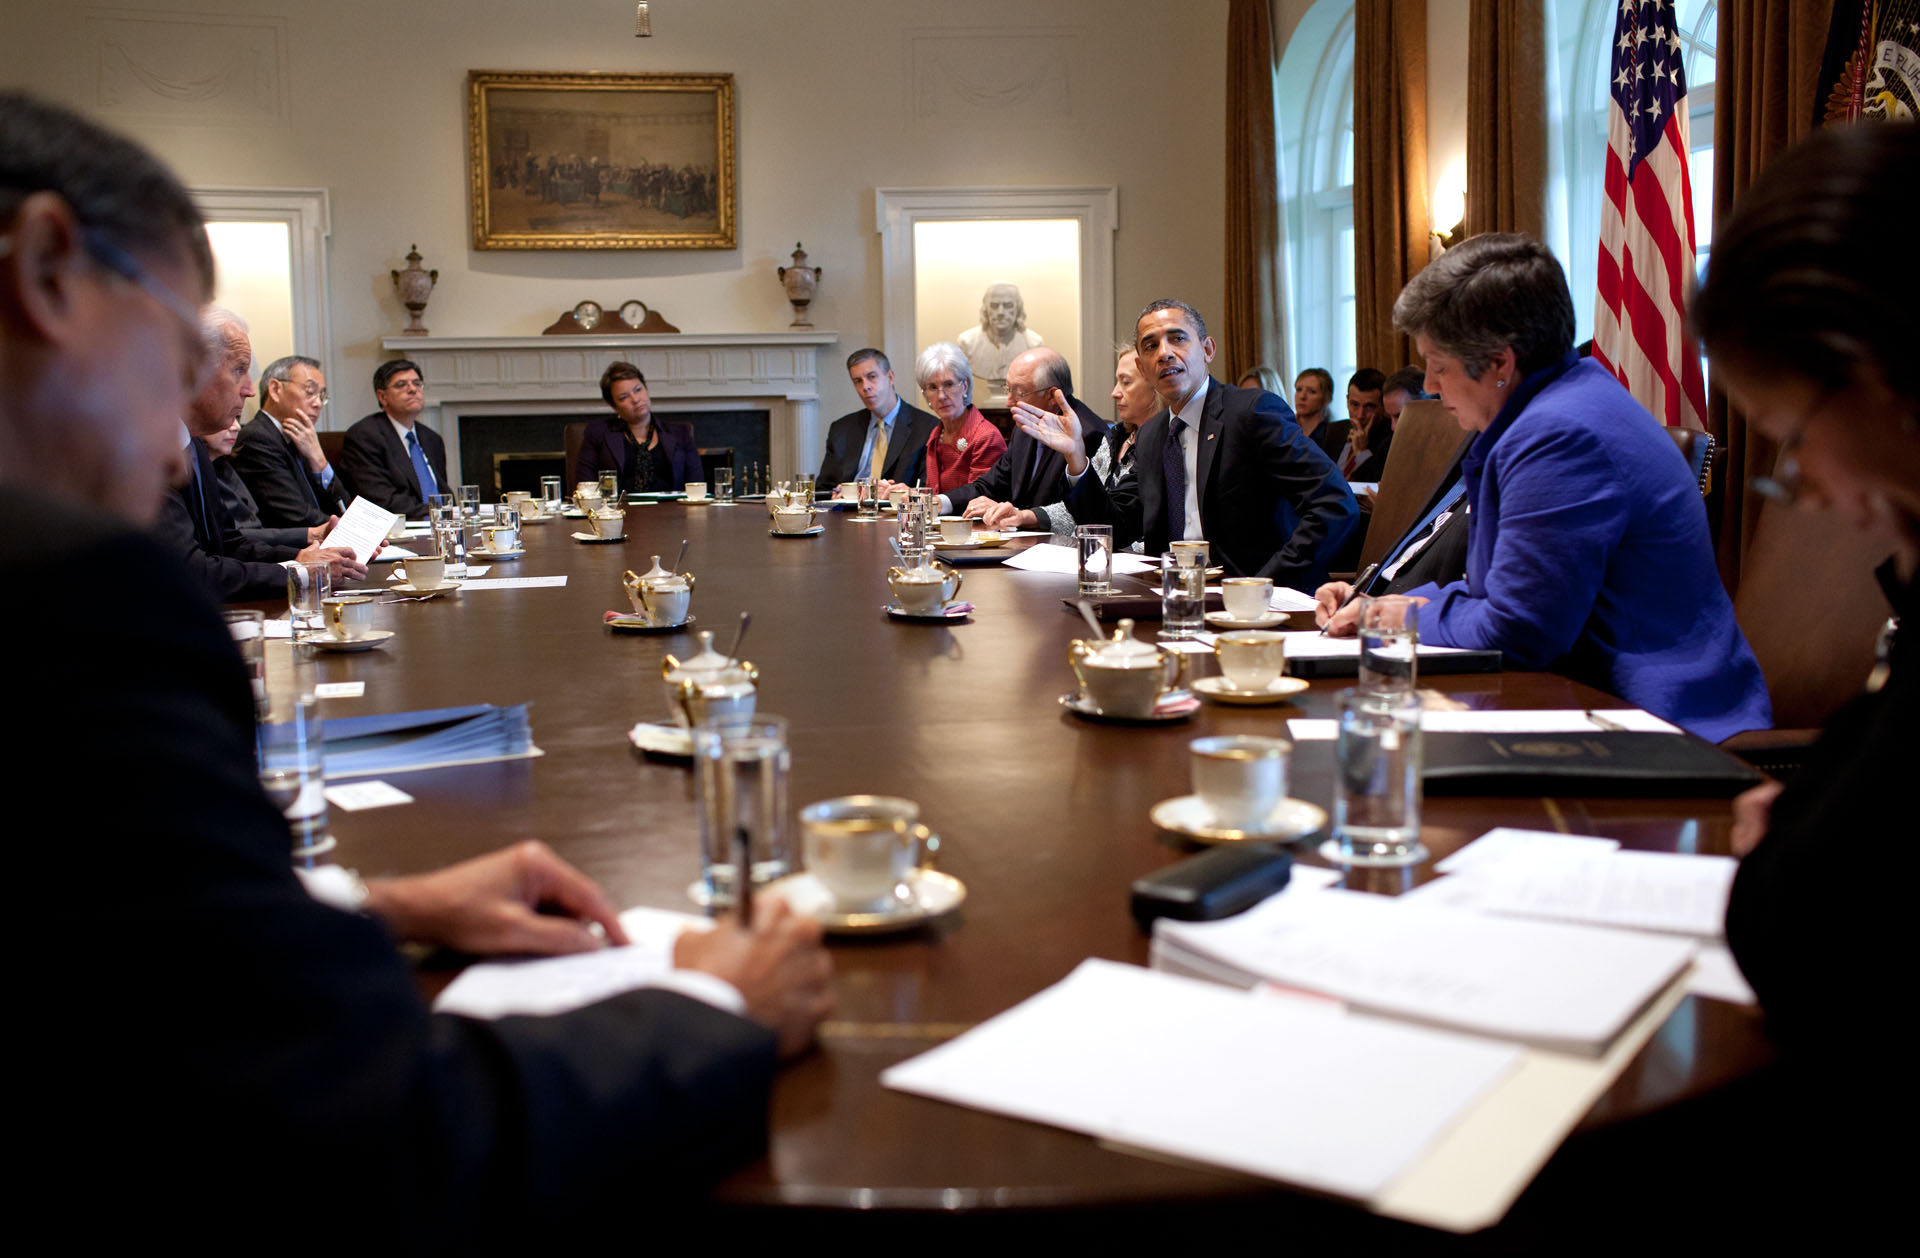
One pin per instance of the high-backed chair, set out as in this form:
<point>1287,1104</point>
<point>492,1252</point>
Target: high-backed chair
<point>575,436</point>
<point>331,444</point>
<point>1697,448</point>
<point>1426,442</point>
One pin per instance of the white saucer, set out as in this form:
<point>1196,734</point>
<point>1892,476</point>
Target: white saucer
<point>359,642</point>
<point>662,740</point>
<point>413,591</point>
<point>594,539</point>
<point>624,623</point>
<point>1189,816</point>
<point>497,554</point>
<point>1220,620</point>
<point>931,895</point>
<point>946,612</point>
<point>1220,690</point>
<point>812,532</point>
<point>542,518</point>
<point>1175,705</point>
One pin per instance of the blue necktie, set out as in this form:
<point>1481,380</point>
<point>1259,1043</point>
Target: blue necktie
<point>421,471</point>
<point>1174,471</point>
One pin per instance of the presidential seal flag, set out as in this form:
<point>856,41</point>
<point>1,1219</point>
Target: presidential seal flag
<point>1646,221</point>
<point>1872,67</point>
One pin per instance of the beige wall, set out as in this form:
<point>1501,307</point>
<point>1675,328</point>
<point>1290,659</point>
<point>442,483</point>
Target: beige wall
<point>366,98</point>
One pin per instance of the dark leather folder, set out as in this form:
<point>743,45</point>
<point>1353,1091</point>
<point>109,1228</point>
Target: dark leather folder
<point>1604,762</point>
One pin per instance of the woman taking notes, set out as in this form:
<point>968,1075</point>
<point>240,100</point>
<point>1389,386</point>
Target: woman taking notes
<point>1588,552</point>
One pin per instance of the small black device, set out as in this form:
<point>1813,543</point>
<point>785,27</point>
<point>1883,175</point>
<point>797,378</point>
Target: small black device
<point>1216,883</point>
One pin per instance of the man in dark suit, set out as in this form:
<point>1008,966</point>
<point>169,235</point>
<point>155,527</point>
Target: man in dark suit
<point>239,501</point>
<point>390,456</point>
<point>278,454</point>
<point>231,566</point>
<point>1028,475</point>
<point>276,1034</point>
<point>900,430</point>
<point>1225,464</point>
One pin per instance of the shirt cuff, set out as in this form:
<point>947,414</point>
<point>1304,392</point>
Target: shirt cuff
<point>326,476</point>
<point>336,887</point>
<point>946,505</point>
<point>708,989</point>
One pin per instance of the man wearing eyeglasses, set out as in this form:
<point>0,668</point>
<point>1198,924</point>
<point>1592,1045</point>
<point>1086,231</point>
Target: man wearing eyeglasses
<point>390,456</point>
<point>278,454</point>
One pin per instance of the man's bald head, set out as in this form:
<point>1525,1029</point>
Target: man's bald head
<point>1034,374</point>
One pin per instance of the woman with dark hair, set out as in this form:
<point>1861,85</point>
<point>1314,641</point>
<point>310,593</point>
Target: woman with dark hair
<point>651,456</point>
<point>1589,552</point>
<point>1808,314</point>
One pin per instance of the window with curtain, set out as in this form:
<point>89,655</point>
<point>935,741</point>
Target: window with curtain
<point>1584,44</point>
<point>1316,100</point>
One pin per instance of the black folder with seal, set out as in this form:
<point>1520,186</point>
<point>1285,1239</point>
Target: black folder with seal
<point>1600,762</point>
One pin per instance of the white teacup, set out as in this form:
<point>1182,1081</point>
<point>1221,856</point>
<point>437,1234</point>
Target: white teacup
<point>1190,553</point>
<point>849,491</point>
<point>696,491</point>
<point>1251,659</point>
<point>429,572</point>
<point>956,528</point>
<point>921,591</point>
<point>792,519</point>
<point>863,848</point>
<point>349,615</point>
<point>1240,779</point>
<point>1247,598</point>
<point>609,522</point>
<point>696,703</point>
<point>502,537</point>
<point>398,533</point>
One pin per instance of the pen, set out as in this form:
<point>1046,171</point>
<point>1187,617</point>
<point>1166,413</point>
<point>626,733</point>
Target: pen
<point>743,878</point>
<point>1359,586</point>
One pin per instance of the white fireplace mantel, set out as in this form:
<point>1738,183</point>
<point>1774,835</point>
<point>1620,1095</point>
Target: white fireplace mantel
<point>473,376</point>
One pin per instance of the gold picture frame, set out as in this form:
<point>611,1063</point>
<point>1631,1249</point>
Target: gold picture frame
<point>600,161</point>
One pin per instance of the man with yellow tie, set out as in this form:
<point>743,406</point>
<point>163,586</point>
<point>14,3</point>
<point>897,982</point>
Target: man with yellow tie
<point>886,439</point>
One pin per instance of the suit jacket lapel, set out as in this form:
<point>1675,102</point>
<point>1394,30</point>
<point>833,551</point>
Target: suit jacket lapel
<point>1211,426</point>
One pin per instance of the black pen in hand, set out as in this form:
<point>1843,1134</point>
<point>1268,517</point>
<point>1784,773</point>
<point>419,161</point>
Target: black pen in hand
<point>1359,587</point>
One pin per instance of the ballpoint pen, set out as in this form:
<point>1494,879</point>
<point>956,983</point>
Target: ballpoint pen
<point>1359,587</point>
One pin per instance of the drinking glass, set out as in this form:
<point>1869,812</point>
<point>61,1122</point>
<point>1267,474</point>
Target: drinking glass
<point>741,766</point>
<point>803,485</point>
<point>723,484</point>
<point>609,486</point>
<point>1183,597</point>
<point>470,501</point>
<point>308,587</point>
<point>1389,633</point>
<point>913,529</point>
<point>866,506</point>
<point>550,495</point>
<point>249,632</point>
<point>292,765</point>
<point>1376,800</point>
<point>1096,558</point>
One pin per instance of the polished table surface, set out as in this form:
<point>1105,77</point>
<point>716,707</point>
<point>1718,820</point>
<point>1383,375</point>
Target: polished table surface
<point>1043,817</point>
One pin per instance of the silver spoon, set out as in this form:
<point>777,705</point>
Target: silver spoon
<point>733,652</point>
<point>1093,621</point>
<point>679,558</point>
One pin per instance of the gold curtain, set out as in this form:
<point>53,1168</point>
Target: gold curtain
<point>1766,83</point>
<point>1506,117</point>
<point>1390,219</point>
<point>1252,331</point>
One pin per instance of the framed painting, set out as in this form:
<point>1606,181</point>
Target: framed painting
<point>600,161</point>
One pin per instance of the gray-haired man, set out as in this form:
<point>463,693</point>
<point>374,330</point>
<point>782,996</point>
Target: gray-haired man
<point>278,454</point>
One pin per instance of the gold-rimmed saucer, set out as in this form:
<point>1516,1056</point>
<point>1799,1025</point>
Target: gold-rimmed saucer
<point>931,896</point>
<point>1220,690</point>
<point>1189,817</point>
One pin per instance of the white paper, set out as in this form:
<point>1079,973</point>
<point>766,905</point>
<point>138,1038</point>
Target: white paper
<point>513,583</point>
<point>355,796</point>
<point>1716,975</point>
<point>363,529</point>
<point>1053,557</point>
<point>1287,599</point>
<point>1516,721</point>
<point>394,551</point>
<point>282,628</point>
<point>340,689</point>
<point>1654,891</point>
<point>1311,644</point>
<point>1508,843</point>
<point>1551,983</point>
<point>550,985</point>
<point>1191,1069</point>
<point>472,570</point>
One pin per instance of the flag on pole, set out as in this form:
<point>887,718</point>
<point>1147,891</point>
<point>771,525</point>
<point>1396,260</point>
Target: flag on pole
<point>1646,221</point>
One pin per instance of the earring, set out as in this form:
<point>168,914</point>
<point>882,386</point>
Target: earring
<point>1501,384</point>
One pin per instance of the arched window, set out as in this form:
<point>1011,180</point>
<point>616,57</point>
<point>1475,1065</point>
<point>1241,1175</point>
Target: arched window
<point>1316,101</point>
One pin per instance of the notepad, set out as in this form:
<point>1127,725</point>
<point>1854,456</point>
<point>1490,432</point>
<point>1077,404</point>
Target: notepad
<point>544,986</point>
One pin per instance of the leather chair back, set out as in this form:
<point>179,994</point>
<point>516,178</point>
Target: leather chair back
<point>575,435</point>
<point>1426,442</point>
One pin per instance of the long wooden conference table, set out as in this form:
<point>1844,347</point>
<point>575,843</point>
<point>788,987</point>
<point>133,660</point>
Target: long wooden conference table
<point>1043,816</point>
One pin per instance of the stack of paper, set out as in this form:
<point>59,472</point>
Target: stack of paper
<point>549,985</point>
<point>1189,1069</point>
<point>1053,557</point>
<point>403,741</point>
<point>1567,987</point>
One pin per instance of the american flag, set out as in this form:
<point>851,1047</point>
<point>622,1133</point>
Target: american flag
<point>1646,221</point>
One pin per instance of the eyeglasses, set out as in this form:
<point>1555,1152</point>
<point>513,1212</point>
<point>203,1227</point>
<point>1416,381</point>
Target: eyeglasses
<point>202,361</point>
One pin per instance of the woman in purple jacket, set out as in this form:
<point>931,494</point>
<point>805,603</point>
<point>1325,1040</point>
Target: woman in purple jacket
<point>650,456</point>
<point>1588,551</point>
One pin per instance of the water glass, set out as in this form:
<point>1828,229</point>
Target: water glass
<point>308,587</point>
<point>292,764</point>
<point>913,529</point>
<point>866,505</point>
<point>803,485</point>
<point>249,631</point>
<point>1096,558</point>
<point>470,501</point>
<point>1376,800</point>
<point>1183,597</point>
<point>723,484</point>
<point>741,767</point>
<point>610,487</point>
<point>1389,632</point>
<point>549,495</point>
